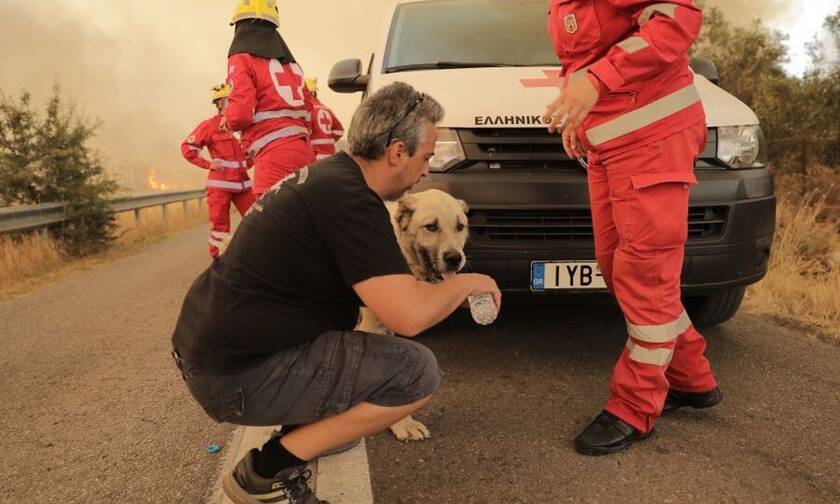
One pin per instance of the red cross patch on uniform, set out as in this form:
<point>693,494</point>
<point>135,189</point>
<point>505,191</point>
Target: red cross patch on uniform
<point>571,23</point>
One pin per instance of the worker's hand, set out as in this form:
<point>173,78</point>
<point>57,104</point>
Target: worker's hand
<point>572,106</point>
<point>223,124</point>
<point>482,284</point>
<point>215,165</point>
<point>570,142</point>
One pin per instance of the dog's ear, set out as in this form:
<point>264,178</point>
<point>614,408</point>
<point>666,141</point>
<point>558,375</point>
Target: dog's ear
<point>464,205</point>
<point>405,209</point>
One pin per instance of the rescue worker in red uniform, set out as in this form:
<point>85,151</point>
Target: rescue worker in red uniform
<point>630,105</point>
<point>269,102</point>
<point>326,128</point>
<point>227,181</point>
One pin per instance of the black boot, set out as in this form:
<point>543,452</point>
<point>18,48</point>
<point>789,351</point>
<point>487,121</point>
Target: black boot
<point>607,434</point>
<point>697,400</point>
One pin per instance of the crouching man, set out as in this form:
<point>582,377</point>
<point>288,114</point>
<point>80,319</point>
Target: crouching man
<point>265,335</point>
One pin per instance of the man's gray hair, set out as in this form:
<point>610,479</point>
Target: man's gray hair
<point>385,111</point>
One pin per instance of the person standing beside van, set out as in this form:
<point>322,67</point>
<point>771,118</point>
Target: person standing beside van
<point>326,128</point>
<point>269,103</point>
<point>629,104</point>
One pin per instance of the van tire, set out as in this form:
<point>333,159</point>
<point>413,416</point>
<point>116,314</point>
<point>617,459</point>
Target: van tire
<point>715,308</point>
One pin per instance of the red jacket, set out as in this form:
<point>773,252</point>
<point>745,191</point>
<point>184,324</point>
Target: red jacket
<point>637,49</point>
<point>326,129</point>
<point>269,101</point>
<point>225,149</point>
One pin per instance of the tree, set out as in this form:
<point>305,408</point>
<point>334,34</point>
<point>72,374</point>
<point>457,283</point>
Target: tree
<point>48,160</point>
<point>793,111</point>
<point>750,61</point>
<point>822,85</point>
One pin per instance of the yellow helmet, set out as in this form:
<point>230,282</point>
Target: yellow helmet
<point>220,91</point>
<point>257,9</point>
<point>312,84</point>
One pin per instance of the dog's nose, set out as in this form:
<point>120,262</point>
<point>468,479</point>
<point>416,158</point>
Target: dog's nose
<point>452,260</point>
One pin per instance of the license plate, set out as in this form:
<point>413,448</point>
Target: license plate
<point>566,275</point>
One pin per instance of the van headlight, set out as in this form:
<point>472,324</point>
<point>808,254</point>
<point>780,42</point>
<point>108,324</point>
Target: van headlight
<point>448,151</point>
<point>741,146</point>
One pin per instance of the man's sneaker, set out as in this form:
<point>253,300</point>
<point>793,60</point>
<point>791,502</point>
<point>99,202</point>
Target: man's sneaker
<point>290,486</point>
<point>697,400</point>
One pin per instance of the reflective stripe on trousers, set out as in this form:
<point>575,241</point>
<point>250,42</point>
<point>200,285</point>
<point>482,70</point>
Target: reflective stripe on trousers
<point>235,186</point>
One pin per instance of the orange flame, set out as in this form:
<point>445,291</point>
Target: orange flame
<point>154,181</point>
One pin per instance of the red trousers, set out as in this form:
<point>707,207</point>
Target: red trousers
<point>219,202</point>
<point>278,160</point>
<point>639,205</point>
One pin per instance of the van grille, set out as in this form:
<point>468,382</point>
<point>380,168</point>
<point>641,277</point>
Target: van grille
<point>520,149</point>
<point>573,224</point>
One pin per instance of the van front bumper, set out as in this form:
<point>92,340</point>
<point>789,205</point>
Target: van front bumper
<point>730,228</point>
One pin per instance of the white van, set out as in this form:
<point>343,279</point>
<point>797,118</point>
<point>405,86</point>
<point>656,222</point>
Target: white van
<point>492,66</point>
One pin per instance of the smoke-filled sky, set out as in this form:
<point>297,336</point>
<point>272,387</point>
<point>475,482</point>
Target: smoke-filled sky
<point>144,68</point>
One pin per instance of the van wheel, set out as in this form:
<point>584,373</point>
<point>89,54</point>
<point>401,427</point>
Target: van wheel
<point>715,308</point>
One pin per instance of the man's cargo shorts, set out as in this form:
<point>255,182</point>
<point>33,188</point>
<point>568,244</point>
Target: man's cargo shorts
<point>317,379</point>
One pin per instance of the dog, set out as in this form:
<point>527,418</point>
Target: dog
<point>432,229</point>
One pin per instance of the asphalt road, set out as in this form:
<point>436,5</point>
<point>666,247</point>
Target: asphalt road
<point>93,410</point>
<point>515,394</point>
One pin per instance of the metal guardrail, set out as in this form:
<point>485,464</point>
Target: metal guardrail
<point>26,217</point>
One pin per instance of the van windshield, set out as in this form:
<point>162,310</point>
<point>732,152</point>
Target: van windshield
<point>469,33</point>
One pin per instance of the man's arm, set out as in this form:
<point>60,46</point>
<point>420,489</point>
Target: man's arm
<point>409,306</point>
<point>242,101</point>
<point>192,147</point>
<point>666,32</point>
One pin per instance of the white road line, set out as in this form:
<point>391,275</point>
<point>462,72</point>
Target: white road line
<point>344,478</point>
<point>340,479</point>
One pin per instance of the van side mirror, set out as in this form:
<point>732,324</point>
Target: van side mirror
<point>346,77</point>
<point>706,68</point>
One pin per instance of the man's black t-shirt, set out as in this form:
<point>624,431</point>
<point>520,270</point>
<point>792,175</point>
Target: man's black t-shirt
<point>288,273</point>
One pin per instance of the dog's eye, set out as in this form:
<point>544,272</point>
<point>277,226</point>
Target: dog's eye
<point>460,227</point>
<point>433,227</point>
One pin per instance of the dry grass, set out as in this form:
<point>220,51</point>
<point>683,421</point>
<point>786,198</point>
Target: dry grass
<point>28,256</point>
<point>803,281</point>
<point>33,260</point>
<point>154,226</point>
